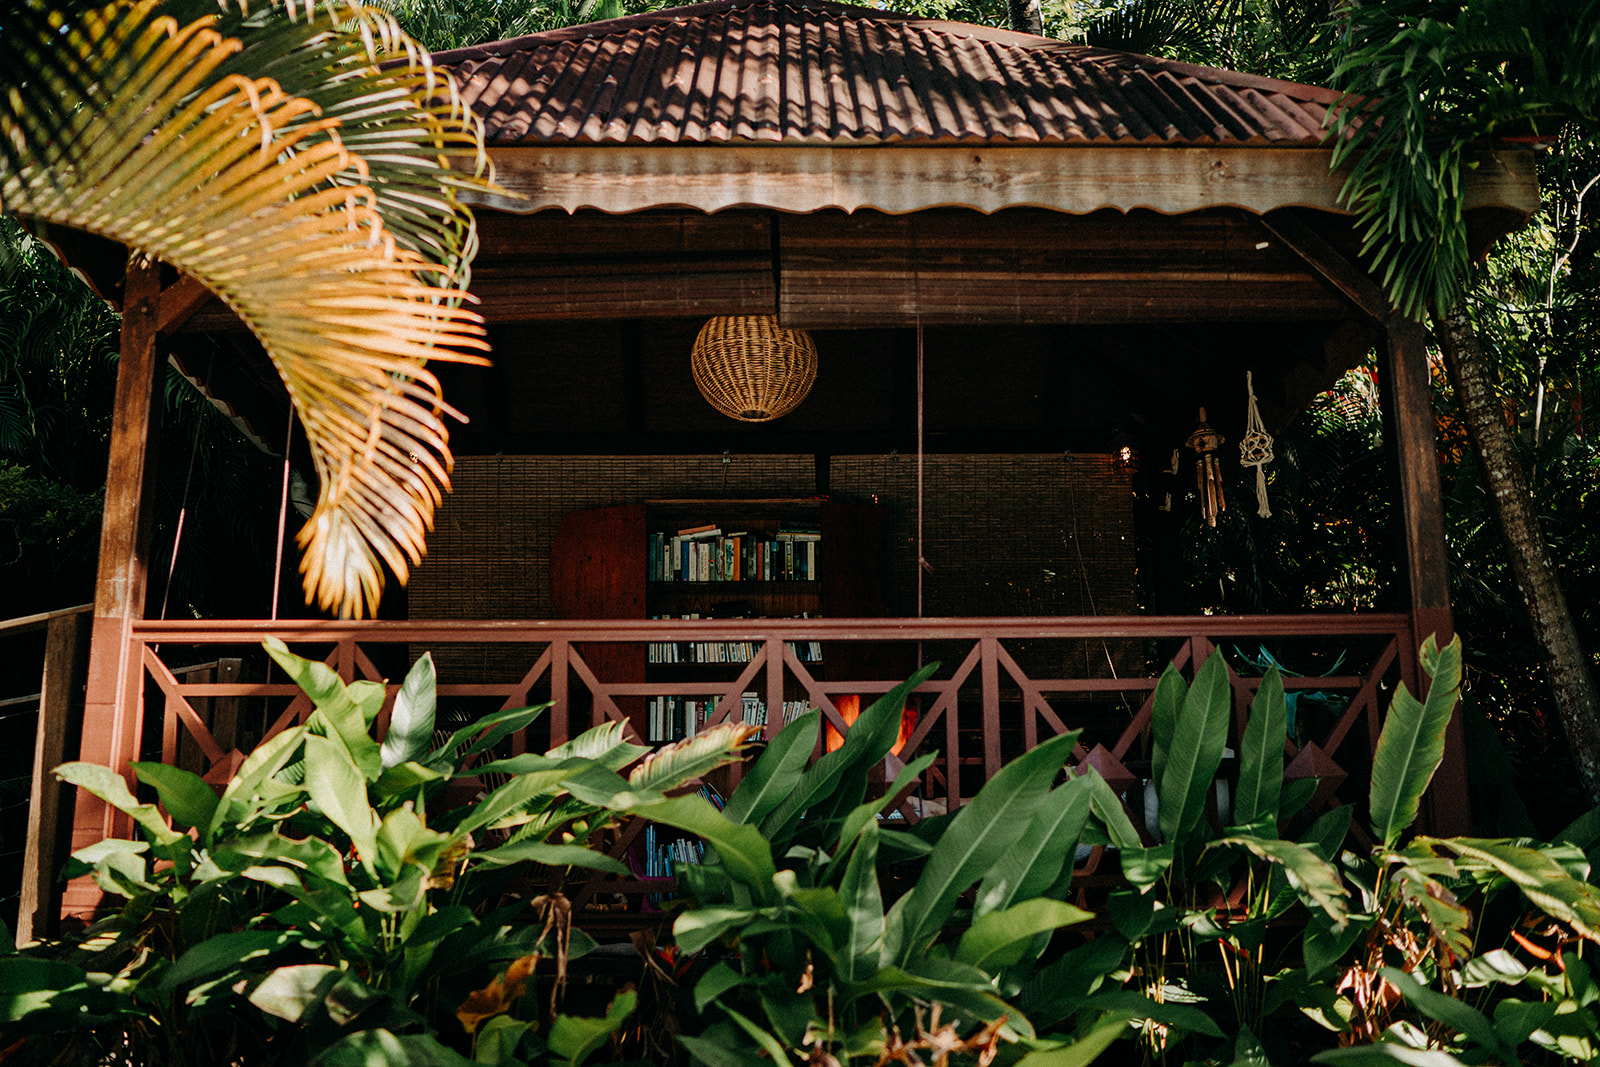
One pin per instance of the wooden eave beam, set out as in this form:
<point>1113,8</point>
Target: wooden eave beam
<point>1329,263</point>
<point>897,179</point>
<point>179,301</point>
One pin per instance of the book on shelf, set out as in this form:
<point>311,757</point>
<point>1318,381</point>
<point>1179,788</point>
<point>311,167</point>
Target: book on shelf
<point>676,718</point>
<point>707,554</point>
<point>721,651</point>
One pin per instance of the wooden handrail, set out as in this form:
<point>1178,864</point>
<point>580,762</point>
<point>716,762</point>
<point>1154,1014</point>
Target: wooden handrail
<point>26,623</point>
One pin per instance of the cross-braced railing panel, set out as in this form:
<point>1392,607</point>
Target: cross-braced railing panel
<point>980,709</point>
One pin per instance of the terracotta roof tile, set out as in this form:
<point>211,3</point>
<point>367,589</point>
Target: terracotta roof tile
<point>814,71</point>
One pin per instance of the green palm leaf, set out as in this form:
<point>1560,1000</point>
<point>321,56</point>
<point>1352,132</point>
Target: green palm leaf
<point>147,129</point>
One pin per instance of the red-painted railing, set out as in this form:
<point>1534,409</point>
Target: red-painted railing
<point>980,708</point>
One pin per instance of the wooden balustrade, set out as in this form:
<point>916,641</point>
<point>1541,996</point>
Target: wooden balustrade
<point>979,709</point>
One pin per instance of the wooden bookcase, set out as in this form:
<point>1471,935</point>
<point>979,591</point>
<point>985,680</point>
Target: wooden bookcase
<point>600,569</point>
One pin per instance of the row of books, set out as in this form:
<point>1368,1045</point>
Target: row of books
<point>723,651</point>
<point>666,849</point>
<point>661,856</point>
<point>707,554</point>
<point>675,718</point>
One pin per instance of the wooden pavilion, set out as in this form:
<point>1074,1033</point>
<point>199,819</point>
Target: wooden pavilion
<point>1017,256</point>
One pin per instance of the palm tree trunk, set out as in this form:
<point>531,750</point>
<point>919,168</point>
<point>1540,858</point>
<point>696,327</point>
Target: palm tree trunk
<point>1566,662</point>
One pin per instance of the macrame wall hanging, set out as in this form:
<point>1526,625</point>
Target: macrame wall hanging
<point>1255,448</point>
<point>1207,471</point>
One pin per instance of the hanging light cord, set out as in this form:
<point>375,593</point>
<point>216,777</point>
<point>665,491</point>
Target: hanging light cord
<point>916,296</point>
<point>283,515</point>
<point>183,504</point>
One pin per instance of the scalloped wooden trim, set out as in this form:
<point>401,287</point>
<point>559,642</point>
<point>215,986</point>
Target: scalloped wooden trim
<point>898,180</point>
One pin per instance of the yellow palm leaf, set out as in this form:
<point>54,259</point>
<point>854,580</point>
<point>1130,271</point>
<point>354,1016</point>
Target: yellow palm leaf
<point>171,148</point>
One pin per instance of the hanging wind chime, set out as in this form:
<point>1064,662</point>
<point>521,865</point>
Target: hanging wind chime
<point>1207,471</point>
<point>1255,448</point>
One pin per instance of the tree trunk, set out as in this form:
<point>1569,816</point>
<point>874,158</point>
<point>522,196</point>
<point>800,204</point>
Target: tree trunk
<point>1567,664</point>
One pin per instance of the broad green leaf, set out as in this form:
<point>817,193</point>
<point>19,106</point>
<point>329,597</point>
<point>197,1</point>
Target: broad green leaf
<point>1133,1005</point>
<point>1141,866</point>
<point>224,953</point>
<point>776,771</point>
<point>1199,736</point>
<point>526,763</point>
<point>999,938</point>
<point>1164,709</point>
<point>1261,753</point>
<point>495,727</point>
<point>678,763</point>
<point>551,855</point>
<point>577,1037</point>
<point>185,795</point>
<point>339,790</point>
<point>1542,880</point>
<point>411,718</point>
<point>403,777</point>
<point>1054,992</point>
<point>715,982</point>
<point>369,1048</point>
<point>345,712</point>
<point>1047,848</point>
<point>866,814</point>
<point>1314,877</point>
<point>1083,1051</point>
<point>110,787</point>
<point>516,794</point>
<point>1456,1014</point>
<point>863,904</point>
<point>310,854</point>
<point>718,1051</point>
<point>603,744</point>
<point>58,990</point>
<point>1496,965</point>
<point>241,797</point>
<point>696,928</point>
<point>740,846</point>
<point>1517,1020</point>
<point>1584,831</point>
<point>1411,743</point>
<point>768,1043</point>
<point>824,783</point>
<point>1386,1054</point>
<point>287,991</point>
<point>977,839</point>
<point>1325,943</point>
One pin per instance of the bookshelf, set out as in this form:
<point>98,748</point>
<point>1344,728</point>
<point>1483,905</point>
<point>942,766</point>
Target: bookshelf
<point>714,559</point>
<point>717,559</point>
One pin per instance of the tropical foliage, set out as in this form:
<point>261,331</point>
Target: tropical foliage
<point>331,906</point>
<point>276,157</point>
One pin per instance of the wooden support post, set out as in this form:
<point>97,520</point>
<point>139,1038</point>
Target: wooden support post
<point>1407,394</point>
<point>65,656</point>
<point>111,711</point>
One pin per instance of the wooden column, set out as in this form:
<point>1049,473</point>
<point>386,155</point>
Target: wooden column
<point>111,714</point>
<point>66,646</point>
<point>1407,393</point>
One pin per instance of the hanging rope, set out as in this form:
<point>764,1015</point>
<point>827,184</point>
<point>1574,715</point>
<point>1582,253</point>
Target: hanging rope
<point>283,515</point>
<point>1255,448</point>
<point>183,503</point>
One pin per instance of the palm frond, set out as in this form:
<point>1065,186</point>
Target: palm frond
<point>171,147</point>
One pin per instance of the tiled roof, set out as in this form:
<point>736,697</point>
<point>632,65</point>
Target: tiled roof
<point>817,72</point>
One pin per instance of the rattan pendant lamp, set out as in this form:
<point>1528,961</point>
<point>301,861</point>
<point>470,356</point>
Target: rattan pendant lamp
<point>752,369</point>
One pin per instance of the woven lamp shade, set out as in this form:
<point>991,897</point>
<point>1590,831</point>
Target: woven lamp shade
<point>751,369</point>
